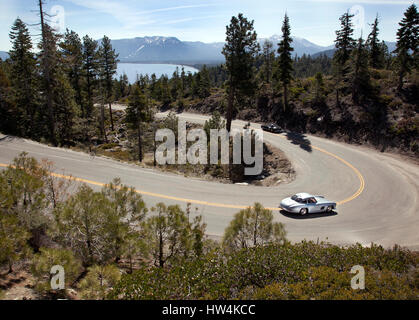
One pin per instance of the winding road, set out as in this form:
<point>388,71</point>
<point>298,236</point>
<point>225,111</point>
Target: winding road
<point>377,193</point>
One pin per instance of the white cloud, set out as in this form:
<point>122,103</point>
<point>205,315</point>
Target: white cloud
<point>178,8</point>
<point>130,17</point>
<point>190,19</point>
<point>124,14</point>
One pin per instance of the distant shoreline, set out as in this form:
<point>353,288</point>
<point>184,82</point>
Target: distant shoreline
<point>197,65</point>
<point>133,69</point>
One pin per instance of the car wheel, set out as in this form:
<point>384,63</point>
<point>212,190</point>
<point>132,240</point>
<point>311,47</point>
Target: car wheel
<point>329,209</point>
<point>303,211</point>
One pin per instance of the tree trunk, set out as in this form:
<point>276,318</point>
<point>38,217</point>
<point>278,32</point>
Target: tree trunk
<point>111,117</point>
<point>140,144</point>
<point>230,109</point>
<point>337,97</point>
<point>102,122</point>
<point>255,231</point>
<point>400,85</point>
<point>161,244</point>
<point>47,75</point>
<point>285,98</point>
<point>154,146</point>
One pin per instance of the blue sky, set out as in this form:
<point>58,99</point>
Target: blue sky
<point>205,20</point>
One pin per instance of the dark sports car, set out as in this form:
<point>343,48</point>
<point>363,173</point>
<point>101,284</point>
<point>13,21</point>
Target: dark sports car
<point>271,128</point>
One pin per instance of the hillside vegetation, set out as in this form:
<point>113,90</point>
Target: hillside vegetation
<point>388,120</point>
<point>112,246</point>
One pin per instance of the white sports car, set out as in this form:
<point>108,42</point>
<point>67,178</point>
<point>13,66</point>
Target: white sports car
<point>304,203</point>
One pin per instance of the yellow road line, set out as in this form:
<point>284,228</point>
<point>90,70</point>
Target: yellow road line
<point>346,163</point>
<point>221,205</point>
<point>360,177</point>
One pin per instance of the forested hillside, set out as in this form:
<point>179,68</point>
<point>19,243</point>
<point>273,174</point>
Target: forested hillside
<point>61,91</point>
<point>64,94</point>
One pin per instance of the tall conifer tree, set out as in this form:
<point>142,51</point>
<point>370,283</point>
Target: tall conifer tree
<point>344,44</point>
<point>239,51</point>
<point>285,61</point>
<point>374,46</point>
<point>407,43</point>
<point>24,79</point>
<point>108,60</point>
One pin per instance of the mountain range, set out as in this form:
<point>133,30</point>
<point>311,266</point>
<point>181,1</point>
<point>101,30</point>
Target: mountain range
<point>330,52</point>
<point>167,50</point>
<point>301,46</point>
<point>172,50</point>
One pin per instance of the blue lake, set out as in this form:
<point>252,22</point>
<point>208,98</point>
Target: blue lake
<point>134,69</point>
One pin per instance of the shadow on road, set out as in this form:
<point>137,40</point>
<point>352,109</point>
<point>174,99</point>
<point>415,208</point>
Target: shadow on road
<point>296,216</point>
<point>4,138</point>
<point>301,140</point>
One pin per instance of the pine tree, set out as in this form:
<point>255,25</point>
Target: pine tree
<point>319,87</point>
<point>59,94</point>
<point>108,60</point>
<point>239,51</point>
<point>344,44</point>
<point>153,86</point>
<point>72,52</point>
<point>98,281</point>
<point>196,80</point>
<point>14,240</point>
<point>8,111</point>
<point>374,47</point>
<point>43,261</point>
<point>285,61</point>
<point>165,94</point>
<point>24,79</point>
<point>169,235</point>
<point>183,82</point>
<point>123,85</point>
<point>90,70</point>
<point>253,227</point>
<point>268,56</point>
<point>385,56</point>
<point>48,59</point>
<point>65,107</point>
<point>138,112</point>
<point>176,85</point>
<point>407,43</point>
<point>204,83</point>
<point>360,74</point>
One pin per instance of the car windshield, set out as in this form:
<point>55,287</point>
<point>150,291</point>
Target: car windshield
<point>297,199</point>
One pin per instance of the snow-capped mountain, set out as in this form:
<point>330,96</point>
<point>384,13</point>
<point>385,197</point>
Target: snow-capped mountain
<point>301,46</point>
<point>170,49</point>
<point>167,49</point>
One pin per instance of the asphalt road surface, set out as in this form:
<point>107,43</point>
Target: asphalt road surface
<point>377,193</point>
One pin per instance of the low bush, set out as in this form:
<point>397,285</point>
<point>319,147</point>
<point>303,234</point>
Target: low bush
<point>291,271</point>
